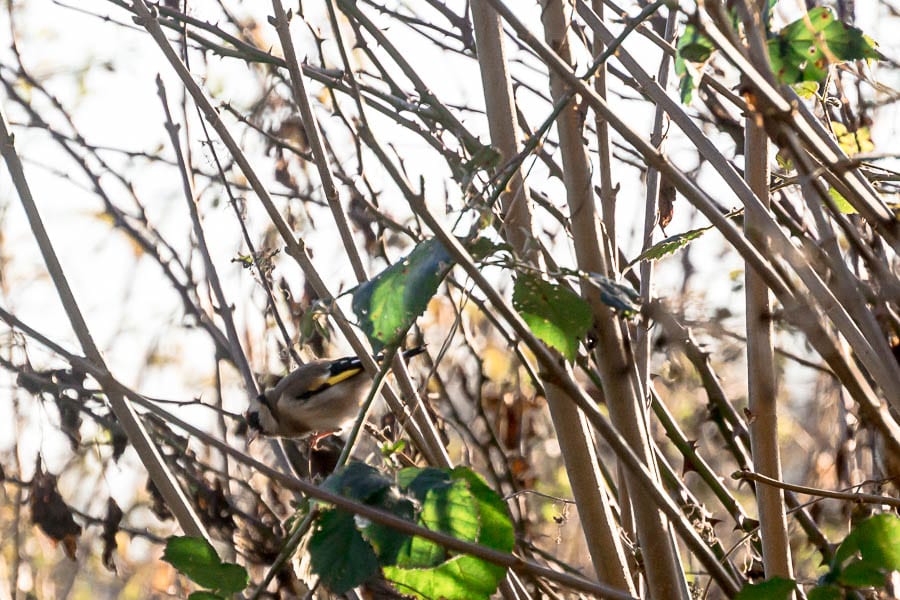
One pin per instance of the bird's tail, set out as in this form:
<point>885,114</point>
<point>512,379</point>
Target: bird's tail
<point>407,354</point>
<point>353,363</point>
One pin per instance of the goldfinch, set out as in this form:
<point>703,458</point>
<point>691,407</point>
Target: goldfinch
<point>318,397</point>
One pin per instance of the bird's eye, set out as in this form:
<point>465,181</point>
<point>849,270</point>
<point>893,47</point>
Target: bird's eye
<point>253,420</point>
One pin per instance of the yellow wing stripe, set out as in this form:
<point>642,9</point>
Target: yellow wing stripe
<point>336,379</point>
<point>323,383</point>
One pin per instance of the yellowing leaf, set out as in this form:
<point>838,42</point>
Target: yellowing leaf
<point>853,142</point>
<point>842,204</point>
<point>806,89</point>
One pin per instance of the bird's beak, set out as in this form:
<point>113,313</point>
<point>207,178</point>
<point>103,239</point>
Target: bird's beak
<point>252,431</point>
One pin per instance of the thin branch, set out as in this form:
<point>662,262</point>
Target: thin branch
<point>281,23</point>
<point>295,248</point>
<point>237,353</point>
<point>855,497</point>
<point>137,434</point>
<point>319,493</point>
<point>562,377</point>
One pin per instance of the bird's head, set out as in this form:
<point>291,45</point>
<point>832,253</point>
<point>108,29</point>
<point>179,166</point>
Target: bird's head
<point>260,420</point>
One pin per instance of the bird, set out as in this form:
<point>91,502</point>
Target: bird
<point>316,398</point>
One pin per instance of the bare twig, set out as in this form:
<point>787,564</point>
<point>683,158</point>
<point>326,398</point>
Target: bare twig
<point>137,434</point>
<point>319,493</point>
<point>857,497</point>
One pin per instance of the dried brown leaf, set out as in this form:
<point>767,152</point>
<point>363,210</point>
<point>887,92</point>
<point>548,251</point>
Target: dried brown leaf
<point>50,512</point>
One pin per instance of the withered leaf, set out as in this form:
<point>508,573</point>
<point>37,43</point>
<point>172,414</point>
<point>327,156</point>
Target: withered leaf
<point>666,202</point>
<point>69,419</point>
<point>50,512</point>
<point>119,442</point>
<point>214,508</point>
<point>110,527</point>
<point>158,503</point>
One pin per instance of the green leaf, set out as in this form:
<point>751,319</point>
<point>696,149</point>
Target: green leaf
<point>461,504</point>
<point>776,588</point>
<point>231,579</point>
<point>670,245</point>
<point>358,481</point>
<point>388,449</point>
<point>246,260</point>
<point>693,47</point>
<point>619,296</point>
<point>460,578</point>
<point>370,486</point>
<point>803,50</point>
<point>848,548</point>
<point>496,527</point>
<point>878,540</point>
<point>419,481</point>
<point>447,506</point>
<point>452,510</point>
<point>198,560</point>
<point>485,158</point>
<point>784,161</point>
<point>204,595</point>
<point>338,553</point>
<point>314,321</point>
<point>419,553</point>
<point>481,248</point>
<point>387,542</point>
<point>806,89</point>
<point>842,204</point>
<point>346,551</point>
<point>190,554</point>
<point>555,314</point>
<point>685,81</point>
<point>861,574</point>
<point>825,592</point>
<point>388,304</point>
